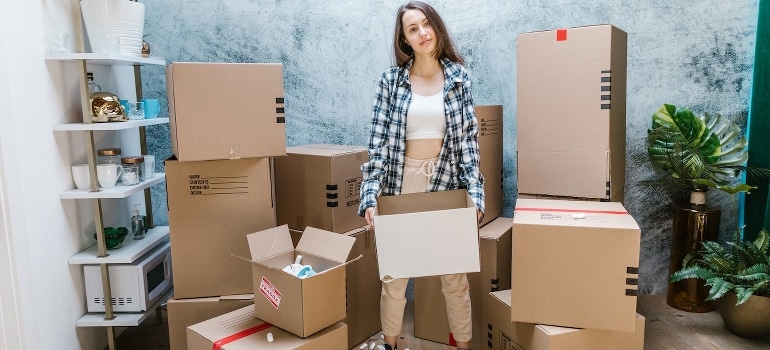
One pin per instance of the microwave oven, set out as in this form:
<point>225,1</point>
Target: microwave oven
<point>135,287</point>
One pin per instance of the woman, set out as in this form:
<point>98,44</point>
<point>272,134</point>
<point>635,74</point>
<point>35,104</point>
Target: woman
<point>424,137</point>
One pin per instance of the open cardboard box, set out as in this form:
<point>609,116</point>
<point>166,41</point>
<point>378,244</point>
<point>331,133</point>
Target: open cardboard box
<point>426,234</point>
<point>302,306</point>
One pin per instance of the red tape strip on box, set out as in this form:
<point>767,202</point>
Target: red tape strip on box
<point>242,334</point>
<point>561,35</point>
<point>574,211</point>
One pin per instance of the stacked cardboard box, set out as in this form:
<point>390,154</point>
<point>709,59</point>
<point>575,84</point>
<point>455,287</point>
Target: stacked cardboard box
<point>227,129</point>
<point>430,316</point>
<point>575,249</point>
<point>571,99</point>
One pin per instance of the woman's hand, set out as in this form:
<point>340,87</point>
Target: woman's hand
<point>369,214</point>
<point>479,215</point>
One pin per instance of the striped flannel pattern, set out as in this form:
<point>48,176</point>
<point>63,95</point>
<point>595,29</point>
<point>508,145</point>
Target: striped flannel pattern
<point>458,162</point>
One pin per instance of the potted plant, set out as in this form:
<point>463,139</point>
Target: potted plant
<point>738,275</point>
<point>699,153</point>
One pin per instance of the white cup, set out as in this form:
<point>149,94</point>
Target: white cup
<point>81,175</point>
<point>108,174</point>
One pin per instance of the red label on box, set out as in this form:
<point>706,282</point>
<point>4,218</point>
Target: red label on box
<point>270,292</point>
<point>561,35</point>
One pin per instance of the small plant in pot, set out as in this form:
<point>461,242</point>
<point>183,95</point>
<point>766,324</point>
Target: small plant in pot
<point>738,274</point>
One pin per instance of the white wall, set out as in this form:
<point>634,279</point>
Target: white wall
<point>41,295</point>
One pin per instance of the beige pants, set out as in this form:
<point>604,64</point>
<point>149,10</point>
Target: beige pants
<point>417,174</point>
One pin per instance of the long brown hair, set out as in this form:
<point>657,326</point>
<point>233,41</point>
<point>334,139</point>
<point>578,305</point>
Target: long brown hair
<point>444,46</point>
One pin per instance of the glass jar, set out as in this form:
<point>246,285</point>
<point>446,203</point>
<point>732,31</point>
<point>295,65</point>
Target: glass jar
<point>108,156</point>
<point>133,170</point>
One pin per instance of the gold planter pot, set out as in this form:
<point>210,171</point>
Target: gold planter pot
<point>750,319</point>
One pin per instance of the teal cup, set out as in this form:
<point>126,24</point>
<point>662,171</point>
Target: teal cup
<point>151,108</point>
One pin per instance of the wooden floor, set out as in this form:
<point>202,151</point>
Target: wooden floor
<point>665,328</point>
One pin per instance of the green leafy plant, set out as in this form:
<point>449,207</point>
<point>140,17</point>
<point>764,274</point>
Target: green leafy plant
<point>742,267</point>
<point>705,151</point>
<point>709,151</point>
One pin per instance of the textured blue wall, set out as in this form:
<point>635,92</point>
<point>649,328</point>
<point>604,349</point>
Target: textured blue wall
<point>691,53</point>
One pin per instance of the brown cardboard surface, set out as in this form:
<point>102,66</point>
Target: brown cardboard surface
<point>491,149</point>
<point>506,335</point>
<point>186,312</point>
<point>571,100</point>
<point>300,306</point>
<point>212,206</point>
<point>363,286</point>
<point>430,316</point>
<point>416,232</point>
<point>319,185</point>
<point>251,333</point>
<point>226,110</point>
<point>574,264</point>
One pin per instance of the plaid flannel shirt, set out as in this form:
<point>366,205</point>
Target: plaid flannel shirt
<point>458,161</point>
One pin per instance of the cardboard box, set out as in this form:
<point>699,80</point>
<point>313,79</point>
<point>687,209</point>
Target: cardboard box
<point>491,149</point>
<point>183,313</point>
<point>225,110</point>
<point>430,316</point>
<point>571,100</point>
<point>574,264</point>
<point>426,234</point>
<point>212,206</point>
<point>300,306</point>
<point>242,330</point>
<point>363,286</point>
<point>555,197</point>
<point>504,335</point>
<point>320,186</point>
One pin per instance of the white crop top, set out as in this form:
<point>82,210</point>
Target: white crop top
<point>425,118</point>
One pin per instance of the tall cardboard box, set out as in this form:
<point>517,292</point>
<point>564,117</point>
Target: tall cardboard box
<point>571,99</point>
<point>225,110</point>
<point>242,330</point>
<point>302,306</point>
<point>319,186</point>
<point>430,316</point>
<point>183,313</point>
<point>363,286</point>
<point>574,264</point>
<point>491,149</point>
<point>506,335</point>
<point>426,234</point>
<point>212,206</point>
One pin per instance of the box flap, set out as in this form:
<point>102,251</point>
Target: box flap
<point>270,242</point>
<point>325,244</point>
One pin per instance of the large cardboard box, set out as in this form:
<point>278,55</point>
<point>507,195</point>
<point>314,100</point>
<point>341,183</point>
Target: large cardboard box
<point>430,316</point>
<point>319,186</point>
<point>505,335</point>
<point>363,286</point>
<point>426,234</point>
<point>212,206</point>
<point>242,330</point>
<point>491,149</point>
<point>183,313</point>
<point>302,306</point>
<point>571,100</point>
<point>574,264</point>
<point>225,110</point>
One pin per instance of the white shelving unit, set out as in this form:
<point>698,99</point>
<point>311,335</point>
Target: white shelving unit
<point>132,250</point>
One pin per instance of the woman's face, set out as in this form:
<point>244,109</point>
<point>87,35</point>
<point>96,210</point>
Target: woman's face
<point>418,32</point>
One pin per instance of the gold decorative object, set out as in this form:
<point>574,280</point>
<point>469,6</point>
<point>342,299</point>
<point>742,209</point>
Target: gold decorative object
<point>145,49</point>
<point>105,107</point>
